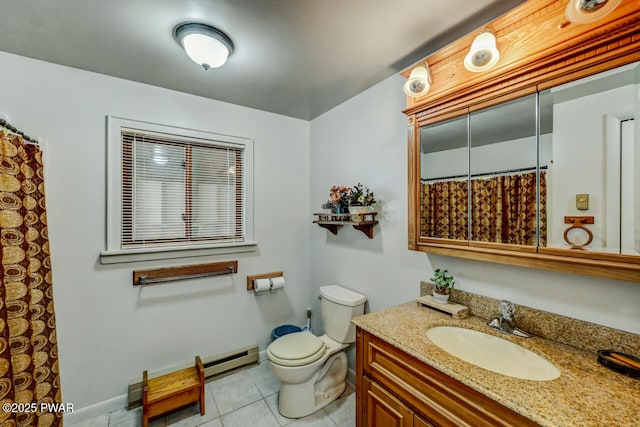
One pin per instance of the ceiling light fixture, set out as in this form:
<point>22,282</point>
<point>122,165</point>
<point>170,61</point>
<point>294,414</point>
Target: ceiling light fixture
<point>419,81</point>
<point>205,45</point>
<point>587,11</point>
<point>483,53</point>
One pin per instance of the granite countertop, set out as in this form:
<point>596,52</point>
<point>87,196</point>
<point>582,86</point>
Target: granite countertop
<point>586,394</point>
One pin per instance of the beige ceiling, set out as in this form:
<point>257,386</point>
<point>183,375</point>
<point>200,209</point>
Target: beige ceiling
<point>299,58</point>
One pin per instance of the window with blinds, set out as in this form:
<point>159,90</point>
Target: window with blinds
<point>175,192</point>
<point>178,191</point>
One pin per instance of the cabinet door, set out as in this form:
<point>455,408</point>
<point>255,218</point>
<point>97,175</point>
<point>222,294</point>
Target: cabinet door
<point>421,422</point>
<point>382,409</point>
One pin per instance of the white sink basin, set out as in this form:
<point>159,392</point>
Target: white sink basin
<point>493,353</point>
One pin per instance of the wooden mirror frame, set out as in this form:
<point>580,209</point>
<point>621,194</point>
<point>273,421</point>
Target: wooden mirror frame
<point>539,49</point>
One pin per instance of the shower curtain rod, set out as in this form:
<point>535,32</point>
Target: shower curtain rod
<point>475,175</point>
<point>7,125</point>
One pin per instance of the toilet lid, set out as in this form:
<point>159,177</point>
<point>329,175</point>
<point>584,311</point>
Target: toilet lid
<point>296,349</point>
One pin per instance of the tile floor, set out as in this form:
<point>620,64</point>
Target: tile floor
<point>248,398</point>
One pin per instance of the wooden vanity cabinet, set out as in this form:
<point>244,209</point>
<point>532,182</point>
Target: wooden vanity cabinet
<point>384,409</point>
<point>396,389</point>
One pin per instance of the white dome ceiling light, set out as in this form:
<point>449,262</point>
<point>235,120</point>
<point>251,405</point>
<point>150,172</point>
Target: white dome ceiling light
<point>205,45</point>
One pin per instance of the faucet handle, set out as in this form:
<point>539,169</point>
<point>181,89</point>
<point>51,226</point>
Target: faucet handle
<point>507,309</point>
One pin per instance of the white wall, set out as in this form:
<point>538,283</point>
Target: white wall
<point>364,140</point>
<point>109,331</point>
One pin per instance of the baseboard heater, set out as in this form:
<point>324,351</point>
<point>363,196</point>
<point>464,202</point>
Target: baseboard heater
<point>214,366</point>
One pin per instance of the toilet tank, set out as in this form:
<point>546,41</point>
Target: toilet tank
<point>338,306</point>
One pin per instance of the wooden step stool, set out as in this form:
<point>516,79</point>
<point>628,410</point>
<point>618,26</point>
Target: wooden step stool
<point>172,391</point>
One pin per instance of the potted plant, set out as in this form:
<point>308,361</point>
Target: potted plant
<point>361,201</point>
<point>444,283</point>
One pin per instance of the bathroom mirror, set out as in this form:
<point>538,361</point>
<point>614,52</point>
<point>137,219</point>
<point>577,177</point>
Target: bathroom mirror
<point>503,178</point>
<point>569,152</point>
<point>444,179</point>
<point>478,177</point>
<point>590,126</point>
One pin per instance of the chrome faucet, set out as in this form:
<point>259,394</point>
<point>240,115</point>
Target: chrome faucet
<point>505,322</point>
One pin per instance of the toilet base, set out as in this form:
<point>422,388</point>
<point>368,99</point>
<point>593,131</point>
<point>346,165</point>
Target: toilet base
<point>300,400</point>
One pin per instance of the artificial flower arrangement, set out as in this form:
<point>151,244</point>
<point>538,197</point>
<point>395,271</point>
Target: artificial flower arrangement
<point>341,197</point>
<point>361,196</point>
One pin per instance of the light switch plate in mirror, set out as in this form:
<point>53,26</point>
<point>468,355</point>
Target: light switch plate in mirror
<point>582,202</point>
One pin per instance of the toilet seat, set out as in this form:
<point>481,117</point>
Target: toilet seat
<point>296,349</point>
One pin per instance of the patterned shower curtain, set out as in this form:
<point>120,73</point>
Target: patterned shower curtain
<point>503,209</point>
<point>443,211</point>
<point>29,374</point>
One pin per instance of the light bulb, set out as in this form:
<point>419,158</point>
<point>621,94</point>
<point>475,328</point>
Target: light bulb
<point>205,51</point>
<point>418,83</point>
<point>483,53</point>
<point>587,11</point>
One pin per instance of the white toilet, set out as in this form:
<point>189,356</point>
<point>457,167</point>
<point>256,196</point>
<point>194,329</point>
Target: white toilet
<point>312,370</point>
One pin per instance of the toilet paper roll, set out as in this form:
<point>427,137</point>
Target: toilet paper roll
<point>277,283</point>
<point>261,285</point>
<point>266,285</point>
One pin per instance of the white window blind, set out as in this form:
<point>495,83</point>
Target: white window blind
<point>178,191</point>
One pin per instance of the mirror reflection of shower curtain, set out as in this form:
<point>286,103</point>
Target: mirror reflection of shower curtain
<point>503,209</point>
<point>621,186</point>
<point>444,209</point>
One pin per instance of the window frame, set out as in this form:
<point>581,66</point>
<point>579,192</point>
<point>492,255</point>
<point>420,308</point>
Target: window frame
<point>114,252</point>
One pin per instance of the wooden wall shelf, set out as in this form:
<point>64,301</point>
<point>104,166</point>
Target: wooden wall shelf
<point>363,222</point>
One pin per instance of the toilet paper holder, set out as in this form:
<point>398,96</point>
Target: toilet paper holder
<point>253,277</point>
